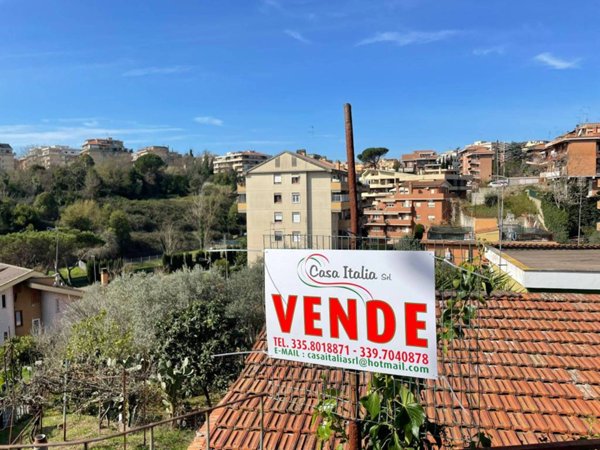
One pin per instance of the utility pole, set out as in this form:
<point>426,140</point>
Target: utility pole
<point>354,425</point>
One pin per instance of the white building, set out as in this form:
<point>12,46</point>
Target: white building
<point>30,302</point>
<point>7,158</point>
<point>49,156</point>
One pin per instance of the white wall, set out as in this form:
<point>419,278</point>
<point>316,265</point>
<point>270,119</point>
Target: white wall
<point>7,315</point>
<point>53,306</point>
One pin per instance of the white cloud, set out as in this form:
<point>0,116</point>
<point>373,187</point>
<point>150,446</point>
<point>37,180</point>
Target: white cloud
<point>22,135</point>
<point>297,36</point>
<point>208,120</point>
<point>145,71</point>
<point>550,60</point>
<point>496,49</point>
<point>409,37</point>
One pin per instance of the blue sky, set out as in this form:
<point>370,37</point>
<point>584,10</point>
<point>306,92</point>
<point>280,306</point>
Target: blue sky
<point>270,75</point>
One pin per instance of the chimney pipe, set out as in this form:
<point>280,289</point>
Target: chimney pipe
<point>104,277</point>
<point>351,171</point>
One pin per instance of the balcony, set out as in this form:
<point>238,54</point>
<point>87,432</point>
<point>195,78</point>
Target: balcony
<point>398,234</point>
<point>241,188</point>
<point>339,206</point>
<point>374,233</point>
<point>241,207</point>
<point>337,186</point>
<point>399,222</point>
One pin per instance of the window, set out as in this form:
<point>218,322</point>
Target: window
<point>406,203</point>
<point>277,163</point>
<point>294,161</point>
<point>18,318</point>
<point>277,178</point>
<point>418,217</point>
<point>278,236</point>
<point>35,326</point>
<point>418,204</point>
<point>4,300</point>
<point>278,217</point>
<point>295,197</point>
<point>277,198</point>
<point>431,217</point>
<point>431,204</point>
<point>296,236</point>
<point>57,305</point>
<point>295,179</point>
<point>5,335</point>
<point>295,217</point>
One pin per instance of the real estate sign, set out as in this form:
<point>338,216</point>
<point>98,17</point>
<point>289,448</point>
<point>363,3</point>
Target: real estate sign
<point>356,309</point>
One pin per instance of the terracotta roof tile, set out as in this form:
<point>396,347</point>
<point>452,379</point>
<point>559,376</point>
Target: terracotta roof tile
<point>528,372</point>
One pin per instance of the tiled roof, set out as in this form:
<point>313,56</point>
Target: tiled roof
<point>528,372</point>
<point>9,274</point>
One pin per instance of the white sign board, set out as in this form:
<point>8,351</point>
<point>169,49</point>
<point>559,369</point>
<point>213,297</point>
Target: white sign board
<point>356,309</point>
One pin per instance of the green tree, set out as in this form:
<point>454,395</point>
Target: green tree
<point>211,210</point>
<point>46,206</point>
<point>197,333</point>
<point>371,156</point>
<point>24,216</point>
<point>84,215</point>
<point>119,224</point>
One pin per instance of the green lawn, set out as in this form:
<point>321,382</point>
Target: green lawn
<point>81,426</point>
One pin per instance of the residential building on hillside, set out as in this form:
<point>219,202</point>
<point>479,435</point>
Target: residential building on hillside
<point>420,161</point>
<point>105,149</point>
<point>158,150</point>
<point>574,154</point>
<point>30,301</point>
<point>238,162</point>
<point>477,162</point>
<point>49,156</point>
<point>291,199</point>
<point>417,202</point>
<point>7,158</point>
<point>379,184</point>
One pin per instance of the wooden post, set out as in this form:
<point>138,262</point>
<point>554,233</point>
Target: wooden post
<point>65,377</point>
<point>353,425</point>
<point>208,430</point>
<point>151,438</point>
<point>124,408</point>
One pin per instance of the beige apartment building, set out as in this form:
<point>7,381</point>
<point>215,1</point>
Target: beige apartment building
<point>49,156</point>
<point>7,158</point>
<point>293,201</point>
<point>102,150</point>
<point>238,162</point>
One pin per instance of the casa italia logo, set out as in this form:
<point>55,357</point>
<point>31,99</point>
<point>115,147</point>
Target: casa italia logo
<point>315,270</point>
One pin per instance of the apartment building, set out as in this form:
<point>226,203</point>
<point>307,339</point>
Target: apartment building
<point>102,150</point>
<point>30,301</point>
<point>238,162</point>
<point>7,158</point>
<point>49,156</point>
<point>291,200</point>
<point>574,154</point>
<point>417,202</point>
<point>477,162</point>
<point>158,150</point>
<point>379,184</point>
<point>420,161</point>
